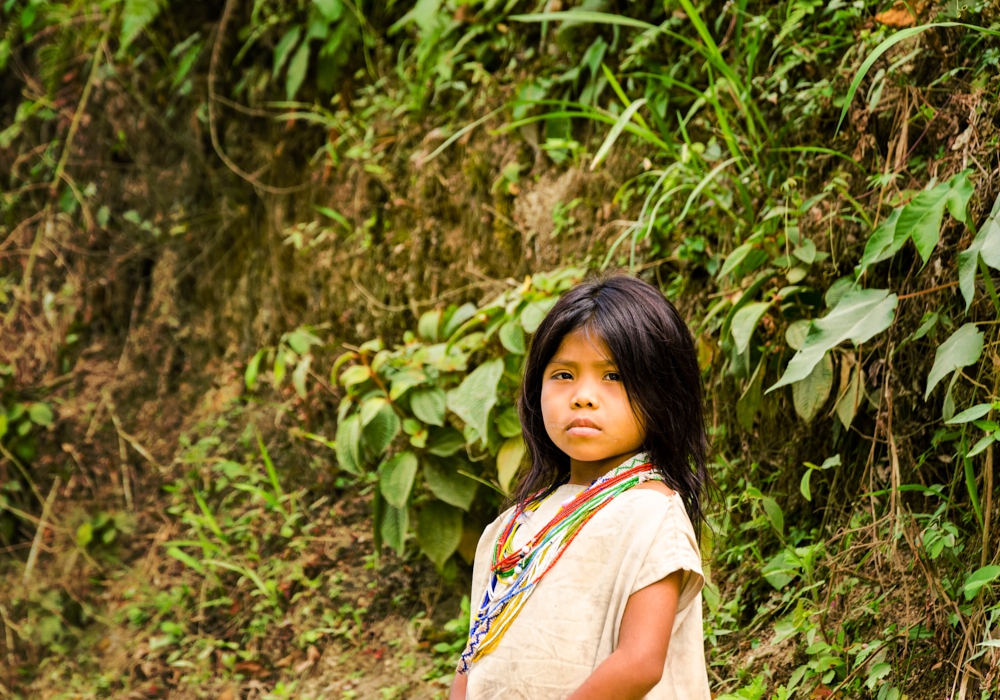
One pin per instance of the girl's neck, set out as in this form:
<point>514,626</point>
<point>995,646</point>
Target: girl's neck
<point>585,473</point>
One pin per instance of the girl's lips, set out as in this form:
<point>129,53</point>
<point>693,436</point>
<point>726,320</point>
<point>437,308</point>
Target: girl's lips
<point>583,431</point>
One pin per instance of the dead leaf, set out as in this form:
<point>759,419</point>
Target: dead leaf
<point>227,693</point>
<point>902,14</point>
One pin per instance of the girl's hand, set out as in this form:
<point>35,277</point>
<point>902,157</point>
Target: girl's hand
<point>636,666</point>
<point>458,687</point>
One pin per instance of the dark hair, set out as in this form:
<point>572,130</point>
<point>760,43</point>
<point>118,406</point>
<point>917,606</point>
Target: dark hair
<point>655,355</point>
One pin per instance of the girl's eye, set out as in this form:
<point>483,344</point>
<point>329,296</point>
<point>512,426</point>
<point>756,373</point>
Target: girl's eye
<point>562,375</point>
<point>613,376</point>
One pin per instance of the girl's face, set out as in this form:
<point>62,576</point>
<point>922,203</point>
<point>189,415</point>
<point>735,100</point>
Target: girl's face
<point>584,405</point>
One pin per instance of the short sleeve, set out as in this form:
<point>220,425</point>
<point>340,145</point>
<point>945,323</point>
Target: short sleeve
<point>672,547</point>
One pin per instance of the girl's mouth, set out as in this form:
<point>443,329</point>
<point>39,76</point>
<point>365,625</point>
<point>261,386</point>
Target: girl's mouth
<point>581,427</point>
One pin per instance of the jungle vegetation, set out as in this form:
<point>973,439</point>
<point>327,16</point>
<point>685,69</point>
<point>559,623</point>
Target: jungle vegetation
<point>269,269</point>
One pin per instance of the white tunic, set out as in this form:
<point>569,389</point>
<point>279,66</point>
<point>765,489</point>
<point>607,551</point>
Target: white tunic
<point>570,622</point>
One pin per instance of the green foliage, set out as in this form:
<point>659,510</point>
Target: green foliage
<point>418,409</point>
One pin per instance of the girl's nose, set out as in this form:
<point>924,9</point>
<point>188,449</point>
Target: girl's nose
<point>584,401</point>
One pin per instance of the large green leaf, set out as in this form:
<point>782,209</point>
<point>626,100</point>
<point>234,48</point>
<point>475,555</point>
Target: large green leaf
<point>476,396</point>
<point>382,428</point>
<point>427,326</point>
<point>462,314</point>
<point>509,423</point>
<point>979,578</point>
<point>745,323</point>
<point>370,408</point>
<point>882,244</point>
<point>860,315</point>
<point>445,442</point>
<point>428,405</point>
<point>396,480</point>
<point>509,458</point>
<point>809,395</point>
<point>395,523</point>
<point>439,531</point>
<point>962,349</point>
<point>921,219</point>
<point>738,255</point>
<point>512,337</point>
<point>447,484</point>
<point>349,444</point>
<point>985,245</point>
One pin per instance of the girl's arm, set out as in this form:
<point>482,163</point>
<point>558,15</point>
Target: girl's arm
<point>458,687</point>
<point>636,666</point>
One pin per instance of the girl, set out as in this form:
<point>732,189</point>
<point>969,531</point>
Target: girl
<point>589,588</point>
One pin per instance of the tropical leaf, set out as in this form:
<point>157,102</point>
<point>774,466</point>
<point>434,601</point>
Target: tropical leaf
<point>985,246</point>
<point>349,443</point>
<point>512,337</point>
<point>978,579</point>
<point>446,442</point>
<point>809,394</point>
<point>745,323</point>
<point>429,405</point>
<point>395,523</point>
<point>971,414</point>
<point>447,484</point>
<point>396,479</point>
<point>439,531</point>
<point>475,397</point>
<point>380,431</point>
<point>962,349</point>
<point>860,315</point>
<point>509,459</point>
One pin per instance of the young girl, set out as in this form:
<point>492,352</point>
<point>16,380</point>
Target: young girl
<point>589,588</point>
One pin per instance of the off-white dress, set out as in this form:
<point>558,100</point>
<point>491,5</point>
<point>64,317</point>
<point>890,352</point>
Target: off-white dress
<point>570,622</point>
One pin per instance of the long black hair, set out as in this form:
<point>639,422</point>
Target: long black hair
<point>653,351</point>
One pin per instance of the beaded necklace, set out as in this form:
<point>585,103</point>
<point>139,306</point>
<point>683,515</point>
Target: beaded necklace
<point>519,571</point>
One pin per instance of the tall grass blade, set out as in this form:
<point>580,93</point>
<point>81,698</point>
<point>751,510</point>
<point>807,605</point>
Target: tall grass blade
<point>269,465</point>
<point>582,16</point>
<point>705,181</point>
<point>459,134</point>
<point>901,35</point>
<point>616,86</point>
<point>615,132</point>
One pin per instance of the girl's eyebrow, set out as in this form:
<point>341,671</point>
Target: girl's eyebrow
<point>571,363</point>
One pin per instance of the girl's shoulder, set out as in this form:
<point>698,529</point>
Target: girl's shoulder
<point>657,486</point>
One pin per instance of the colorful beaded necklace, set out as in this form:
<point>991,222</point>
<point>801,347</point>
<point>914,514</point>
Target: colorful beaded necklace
<point>522,569</point>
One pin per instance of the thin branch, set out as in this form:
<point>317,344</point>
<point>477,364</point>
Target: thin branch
<point>212,97</point>
<point>40,531</point>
